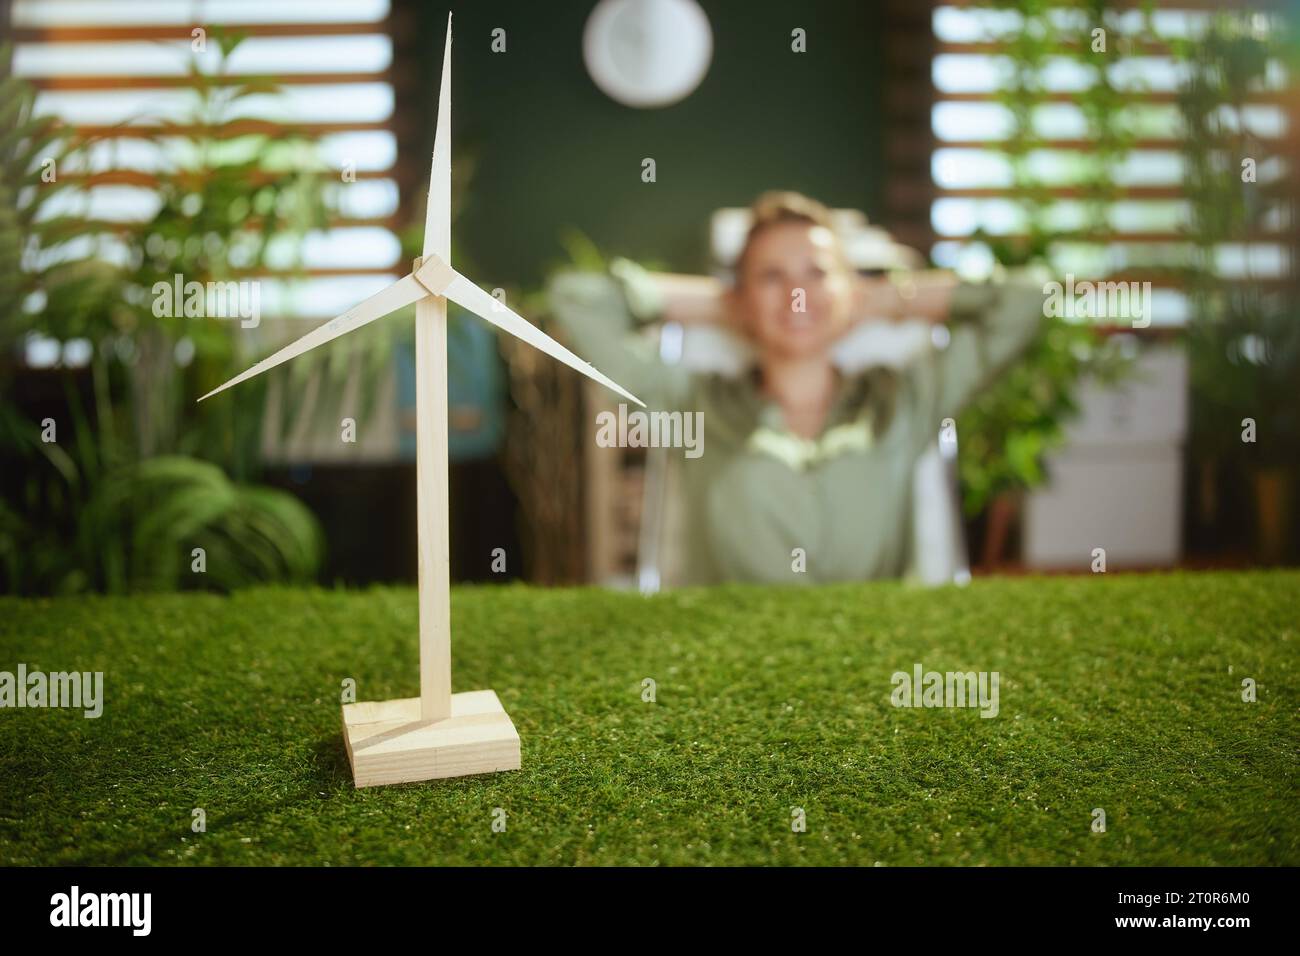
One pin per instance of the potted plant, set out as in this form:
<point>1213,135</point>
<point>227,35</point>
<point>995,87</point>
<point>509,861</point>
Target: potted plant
<point>1008,431</point>
<point>1244,333</point>
<point>136,473</point>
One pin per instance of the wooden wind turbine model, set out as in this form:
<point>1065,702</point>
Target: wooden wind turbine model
<point>438,734</point>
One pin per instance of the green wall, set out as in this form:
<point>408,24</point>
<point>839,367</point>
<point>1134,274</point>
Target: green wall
<point>551,150</point>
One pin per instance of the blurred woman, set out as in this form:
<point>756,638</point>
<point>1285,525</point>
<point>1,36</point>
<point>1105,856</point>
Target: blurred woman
<point>797,452</point>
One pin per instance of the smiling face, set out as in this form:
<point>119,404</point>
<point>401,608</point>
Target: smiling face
<point>793,290</point>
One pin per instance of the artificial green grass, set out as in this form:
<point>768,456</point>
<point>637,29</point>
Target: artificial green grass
<point>1118,692</point>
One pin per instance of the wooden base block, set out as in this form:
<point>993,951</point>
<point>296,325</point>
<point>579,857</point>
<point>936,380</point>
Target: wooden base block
<point>388,743</point>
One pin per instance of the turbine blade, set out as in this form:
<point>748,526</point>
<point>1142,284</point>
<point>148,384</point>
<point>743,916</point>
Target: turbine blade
<point>465,293</point>
<point>401,293</point>
<point>437,213</point>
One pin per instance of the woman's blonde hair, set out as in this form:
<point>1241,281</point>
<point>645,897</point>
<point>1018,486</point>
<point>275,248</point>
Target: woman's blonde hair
<point>779,207</point>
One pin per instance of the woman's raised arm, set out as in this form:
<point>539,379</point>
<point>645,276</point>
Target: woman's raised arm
<point>602,312</point>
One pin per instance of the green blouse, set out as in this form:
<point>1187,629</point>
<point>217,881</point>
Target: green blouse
<point>758,491</point>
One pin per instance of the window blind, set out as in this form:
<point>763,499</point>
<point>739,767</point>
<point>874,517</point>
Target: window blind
<point>1137,228</point>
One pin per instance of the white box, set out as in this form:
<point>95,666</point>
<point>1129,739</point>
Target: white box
<point>1125,500</point>
<point>1117,484</point>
